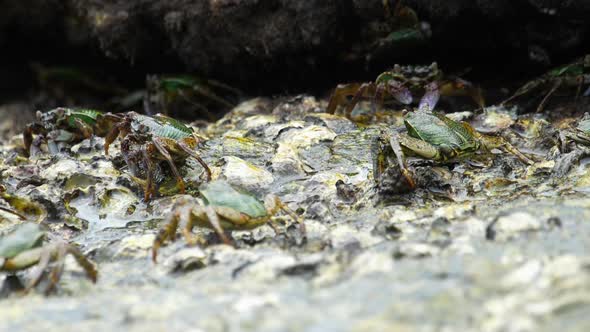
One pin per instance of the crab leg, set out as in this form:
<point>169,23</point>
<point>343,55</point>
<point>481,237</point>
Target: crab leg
<point>378,97</point>
<point>400,92</point>
<point>224,86</point>
<point>214,221</point>
<point>87,265</point>
<point>185,215</point>
<point>339,96</point>
<point>524,89</point>
<point>397,150</point>
<point>159,145</point>
<point>553,88</point>
<point>208,94</point>
<point>58,269</point>
<point>580,81</point>
<point>28,139</point>
<point>295,217</point>
<point>112,136</point>
<point>13,212</point>
<point>149,190</point>
<point>511,149</point>
<point>168,232</point>
<point>202,108</point>
<point>44,257</point>
<point>85,129</point>
<point>430,98</point>
<point>186,148</point>
<point>364,88</point>
<point>36,145</point>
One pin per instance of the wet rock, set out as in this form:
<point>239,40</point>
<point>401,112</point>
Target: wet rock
<point>61,169</point>
<point>344,235</point>
<point>565,162</point>
<point>243,174</point>
<point>425,254</point>
<point>510,225</point>
<point>389,231</point>
<point>415,250</point>
<point>135,245</point>
<point>10,284</point>
<point>186,260</point>
<point>346,192</point>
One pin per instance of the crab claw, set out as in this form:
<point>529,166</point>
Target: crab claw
<point>399,92</point>
<point>430,98</point>
<point>408,176</point>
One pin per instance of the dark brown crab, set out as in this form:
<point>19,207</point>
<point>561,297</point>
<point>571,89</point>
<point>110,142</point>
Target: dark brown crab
<point>401,84</point>
<point>572,75</point>
<point>62,126</point>
<point>157,138</point>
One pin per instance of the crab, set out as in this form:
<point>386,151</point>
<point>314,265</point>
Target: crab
<point>23,248</point>
<point>62,126</point>
<point>222,208</point>
<point>434,136</point>
<point>163,92</point>
<point>61,81</point>
<point>573,144</point>
<point>401,84</point>
<point>157,138</point>
<point>575,74</point>
<point>579,134</point>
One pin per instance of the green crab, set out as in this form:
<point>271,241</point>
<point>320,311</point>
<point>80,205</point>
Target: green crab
<point>579,134</point>
<point>575,74</point>
<point>61,126</point>
<point>23,248</point>
<point>221,208</point>
<point>145,139</point>
<point>432,135</point>
<point>573,145</point>
<point>61,81</point>
<point>401,84</point>
<point>163,92</point>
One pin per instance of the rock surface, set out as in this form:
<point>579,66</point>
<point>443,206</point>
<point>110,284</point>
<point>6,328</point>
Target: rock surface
<point>423,261</point>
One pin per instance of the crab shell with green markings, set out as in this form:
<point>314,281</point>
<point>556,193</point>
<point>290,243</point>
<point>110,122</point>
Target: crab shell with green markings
<point>401,84</point>
<point>572,75</point>
<point>222,208</point>
<point>23,248</point>
<point>579,134</point>
<point>63,126</point>
<point>153,139</point>
<point>164,91</point>
<point>436,137</point>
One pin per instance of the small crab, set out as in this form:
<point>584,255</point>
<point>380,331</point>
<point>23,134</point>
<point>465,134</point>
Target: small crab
<point>575,74</point>
<point>579,134</point>
<point>62,81</point>
<point>436,137</point>
<point>401,84</point>
<point>163,92</point>
<point>24,248</point>
<point>157,138</point>
<point>62,126</point>
<point>221,208</point>
<point>573,145</point>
